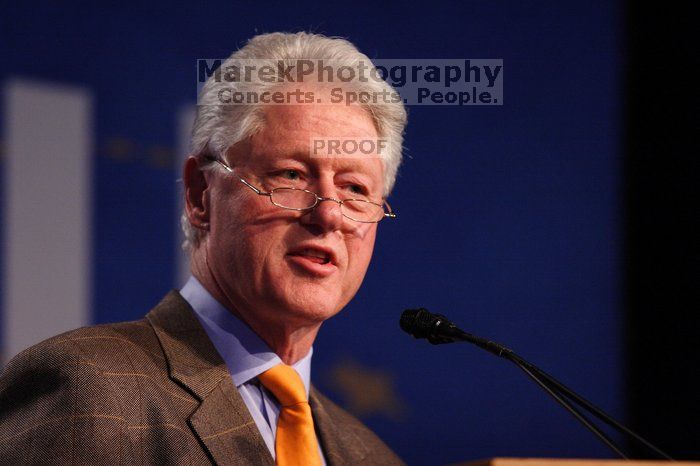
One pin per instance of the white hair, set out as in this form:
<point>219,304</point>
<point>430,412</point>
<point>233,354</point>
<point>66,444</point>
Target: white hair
<point>218,126</point>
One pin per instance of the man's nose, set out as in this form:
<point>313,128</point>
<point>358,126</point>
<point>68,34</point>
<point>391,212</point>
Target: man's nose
<point>327,214</point>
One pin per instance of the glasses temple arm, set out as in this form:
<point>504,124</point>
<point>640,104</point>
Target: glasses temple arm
<point>390,213</point>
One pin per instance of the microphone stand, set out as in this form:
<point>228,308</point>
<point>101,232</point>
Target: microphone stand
<point>575,412</point>
<point>560,392</point>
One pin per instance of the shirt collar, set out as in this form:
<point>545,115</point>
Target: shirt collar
<point>246,355</point>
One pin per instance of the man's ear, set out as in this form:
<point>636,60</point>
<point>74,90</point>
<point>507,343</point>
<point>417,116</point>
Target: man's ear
<point>196,194</point>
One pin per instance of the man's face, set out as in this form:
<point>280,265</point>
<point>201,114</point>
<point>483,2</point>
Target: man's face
<point>273,263</point>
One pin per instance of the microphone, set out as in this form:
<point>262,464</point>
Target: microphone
<point>437,329</point>
<point>421,323</point>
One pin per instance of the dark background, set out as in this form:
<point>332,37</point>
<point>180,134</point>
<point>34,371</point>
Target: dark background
<point>558,223</point>
<point>661,266</point>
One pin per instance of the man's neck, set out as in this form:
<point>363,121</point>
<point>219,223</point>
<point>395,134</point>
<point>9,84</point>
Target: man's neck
<point>290,347</point>
<point>289,340</point>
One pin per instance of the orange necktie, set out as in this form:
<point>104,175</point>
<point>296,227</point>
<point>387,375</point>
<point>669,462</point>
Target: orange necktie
<point>295,443</point>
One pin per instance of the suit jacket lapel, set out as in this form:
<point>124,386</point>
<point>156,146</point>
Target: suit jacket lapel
<point>340,445</point>
<point>222,422</point>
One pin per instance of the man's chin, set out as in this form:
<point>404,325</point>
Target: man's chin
<point>312,310</point>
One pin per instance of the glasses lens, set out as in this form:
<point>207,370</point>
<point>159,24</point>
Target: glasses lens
<point>363,211</point>
<point>290,198</point>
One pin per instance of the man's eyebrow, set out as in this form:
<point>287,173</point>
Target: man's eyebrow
<point>355,171</point>
<point>364,176</point>
<point>298,158</point>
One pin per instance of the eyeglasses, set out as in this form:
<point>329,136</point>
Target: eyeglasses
<point>359,210</point>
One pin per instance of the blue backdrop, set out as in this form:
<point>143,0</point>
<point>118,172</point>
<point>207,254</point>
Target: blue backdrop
<point>509,216</point>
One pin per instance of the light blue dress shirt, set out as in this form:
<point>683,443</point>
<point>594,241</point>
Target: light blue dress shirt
<point>246,355</point>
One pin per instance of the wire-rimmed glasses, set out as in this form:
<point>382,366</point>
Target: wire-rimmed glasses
<point>358,210</point>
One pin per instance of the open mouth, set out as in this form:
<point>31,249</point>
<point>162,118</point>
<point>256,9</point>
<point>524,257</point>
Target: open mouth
<point>314,255</point>
<point>312,260</point>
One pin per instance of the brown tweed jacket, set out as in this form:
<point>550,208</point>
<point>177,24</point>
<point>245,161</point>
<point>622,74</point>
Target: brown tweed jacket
<point>153,391</point>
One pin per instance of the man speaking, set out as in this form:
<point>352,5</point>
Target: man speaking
<point>280,236</point>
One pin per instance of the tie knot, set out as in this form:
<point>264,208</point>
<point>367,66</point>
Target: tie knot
<point>285,383</point>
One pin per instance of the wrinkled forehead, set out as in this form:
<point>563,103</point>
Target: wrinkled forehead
<point>333,136</point>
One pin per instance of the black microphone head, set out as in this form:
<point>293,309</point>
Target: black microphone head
<point>417,322</point>
<point>421,323</point>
